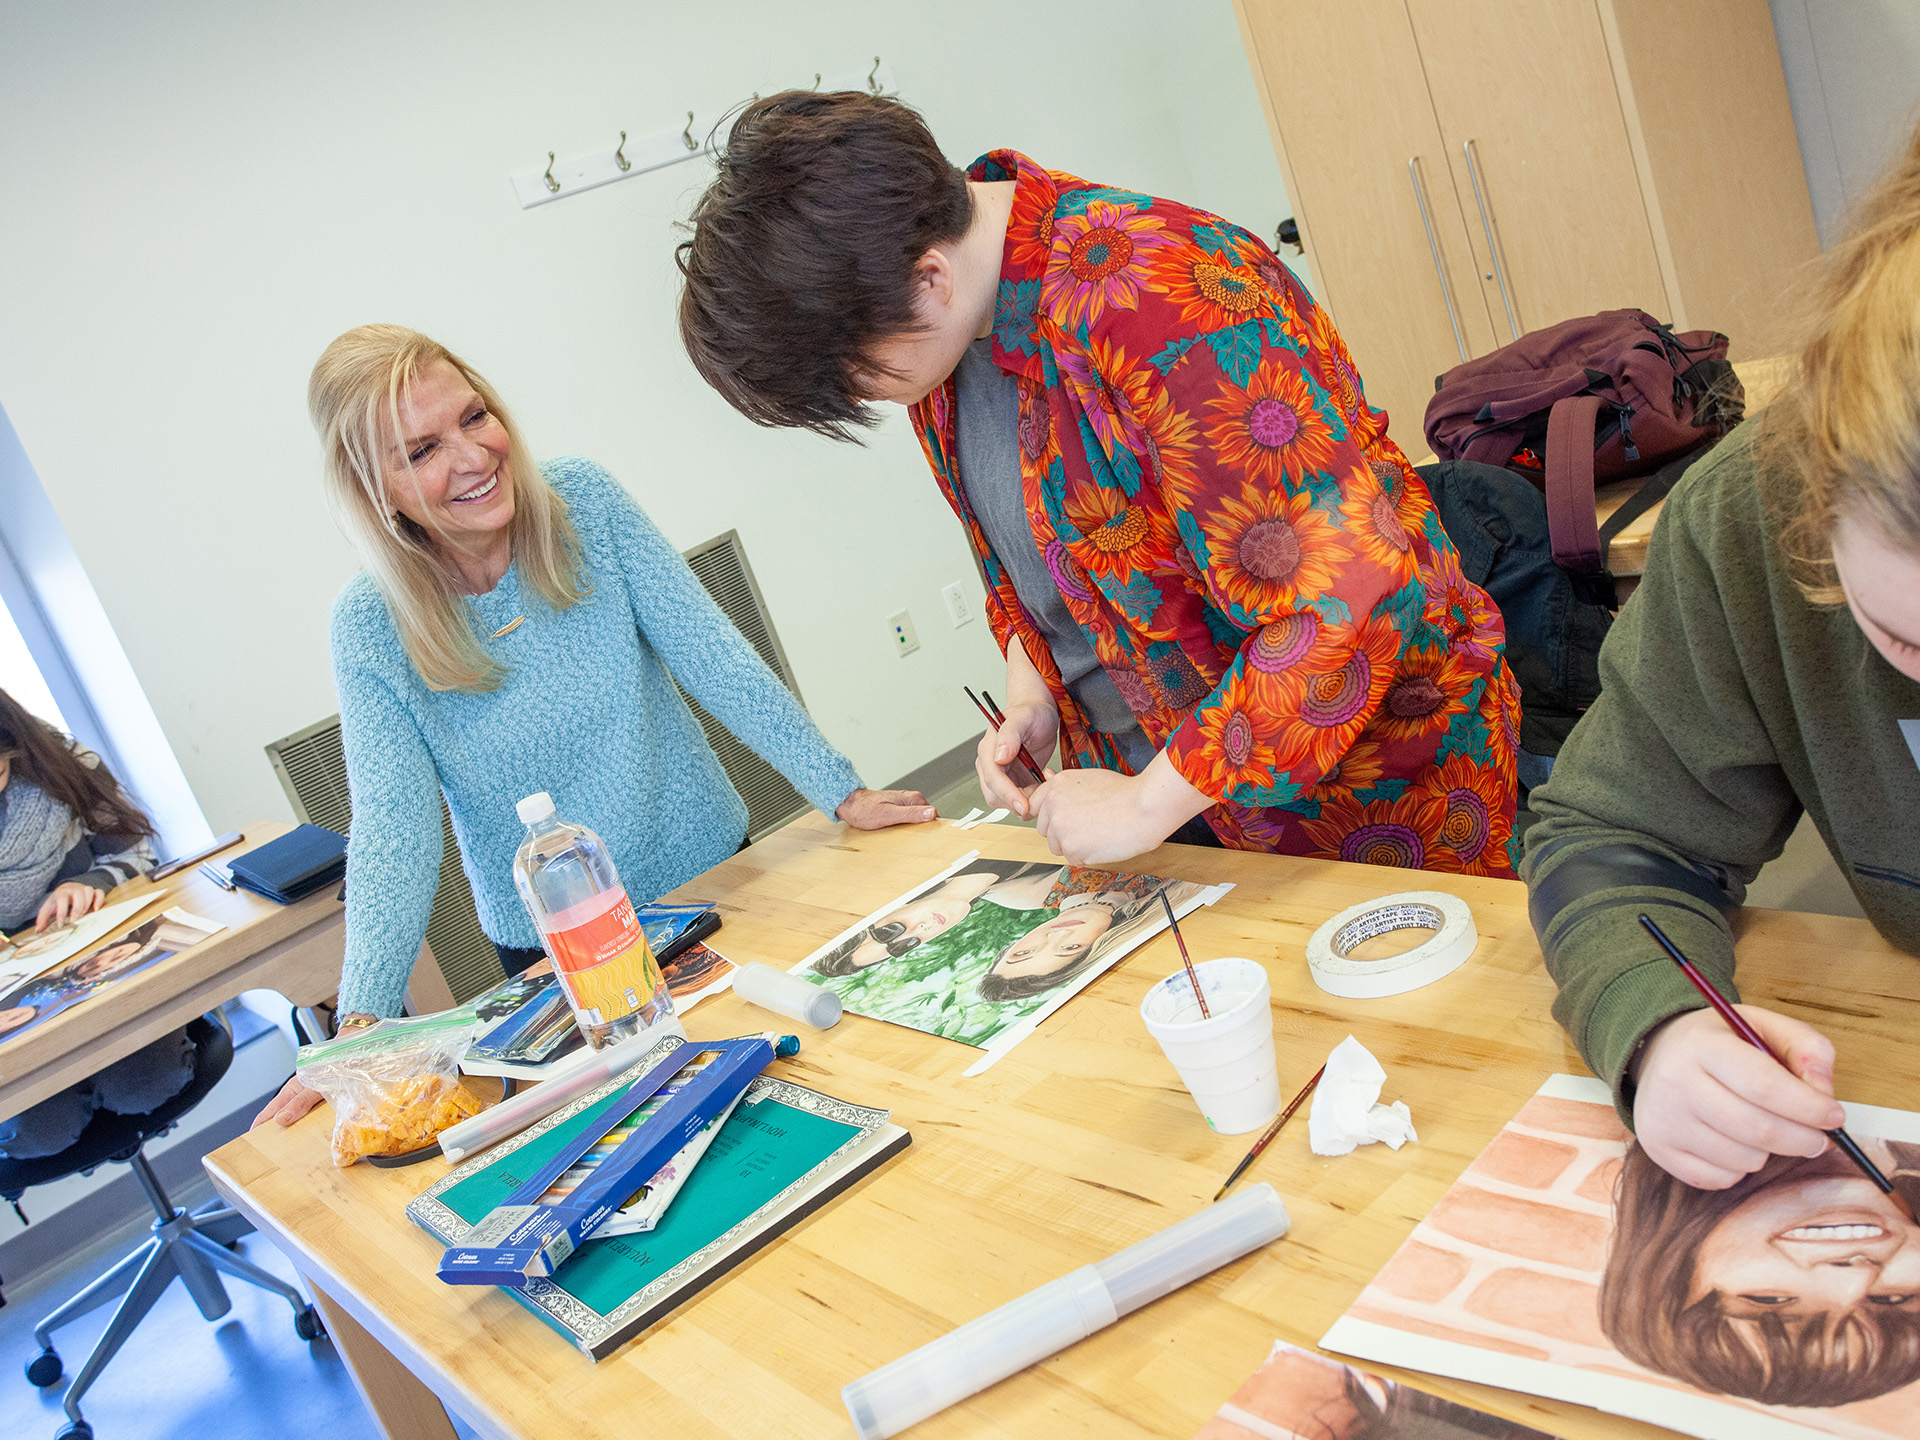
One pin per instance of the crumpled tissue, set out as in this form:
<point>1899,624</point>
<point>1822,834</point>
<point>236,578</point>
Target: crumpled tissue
<point>1346,1113</point>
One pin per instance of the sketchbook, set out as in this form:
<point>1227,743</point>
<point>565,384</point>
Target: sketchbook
<point>1565,1263</point>
<point>784,1152</point>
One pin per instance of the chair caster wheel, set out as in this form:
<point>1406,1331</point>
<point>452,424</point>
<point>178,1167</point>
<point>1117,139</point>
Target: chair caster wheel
<point>78,1430</point>
<point>307,1325</point>
<point>44,1369</point>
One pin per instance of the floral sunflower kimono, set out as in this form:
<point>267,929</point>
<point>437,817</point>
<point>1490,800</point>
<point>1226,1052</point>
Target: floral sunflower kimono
<point>1256,565</point>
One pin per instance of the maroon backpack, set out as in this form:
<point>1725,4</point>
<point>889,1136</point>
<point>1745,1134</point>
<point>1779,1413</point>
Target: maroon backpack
<point>1605,397</point>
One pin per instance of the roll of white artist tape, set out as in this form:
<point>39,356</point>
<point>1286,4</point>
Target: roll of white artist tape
<point>1446,952</point>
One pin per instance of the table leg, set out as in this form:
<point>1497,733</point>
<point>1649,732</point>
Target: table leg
<point>402,1407</point>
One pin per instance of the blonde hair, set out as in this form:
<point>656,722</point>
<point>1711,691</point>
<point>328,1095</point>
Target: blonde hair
<point>1847,426</point>
<point>354,397</point>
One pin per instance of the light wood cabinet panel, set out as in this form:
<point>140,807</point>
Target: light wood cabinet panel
<point>1343,96</point>
<point>1706,106</point>
<point>1554,159</point>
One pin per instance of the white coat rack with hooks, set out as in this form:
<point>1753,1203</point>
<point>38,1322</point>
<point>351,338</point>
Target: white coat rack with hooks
<point>559,178</point>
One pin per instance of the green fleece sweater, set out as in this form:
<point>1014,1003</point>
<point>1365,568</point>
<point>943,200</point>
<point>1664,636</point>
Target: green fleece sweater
<point>1729,705</point>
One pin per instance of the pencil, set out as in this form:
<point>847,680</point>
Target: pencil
<point>1846,1143</point>
<point>1272,1130</point>
<point>1185,959</point>
<point>996,720</point>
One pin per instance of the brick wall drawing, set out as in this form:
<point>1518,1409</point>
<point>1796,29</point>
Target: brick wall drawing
<point>1509,1264</point>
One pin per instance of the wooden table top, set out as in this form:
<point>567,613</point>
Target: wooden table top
<point>1079,1143</point>
<point>131,1012</point>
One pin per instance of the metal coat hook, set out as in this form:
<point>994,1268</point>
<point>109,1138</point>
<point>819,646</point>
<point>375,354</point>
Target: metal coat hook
<point>619,153</point>
<point>816,80</point>
<point>873,77</point>
<point>687,134</point>
<point>552,184</point>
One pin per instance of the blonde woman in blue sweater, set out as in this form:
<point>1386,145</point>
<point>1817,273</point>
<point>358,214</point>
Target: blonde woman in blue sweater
<point>519,628</point>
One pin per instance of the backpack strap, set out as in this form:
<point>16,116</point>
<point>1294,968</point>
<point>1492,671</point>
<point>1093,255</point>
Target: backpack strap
<point>1570,521</point>
<point>1649,494</point>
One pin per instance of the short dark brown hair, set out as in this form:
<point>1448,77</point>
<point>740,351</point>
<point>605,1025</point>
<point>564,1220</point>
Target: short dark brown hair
<point>1647,1310</point>
<point>804,248</point>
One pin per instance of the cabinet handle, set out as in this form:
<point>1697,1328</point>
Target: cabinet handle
<point>1493,249</point>
<point>1433,244</point>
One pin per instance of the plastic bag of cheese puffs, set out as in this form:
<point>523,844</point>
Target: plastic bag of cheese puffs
<point>393,1086</point>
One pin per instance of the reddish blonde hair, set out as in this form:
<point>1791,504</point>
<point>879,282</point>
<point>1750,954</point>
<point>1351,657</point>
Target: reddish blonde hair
<point>1847,426</point>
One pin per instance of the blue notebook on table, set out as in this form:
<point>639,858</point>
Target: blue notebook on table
<point>303,860</point>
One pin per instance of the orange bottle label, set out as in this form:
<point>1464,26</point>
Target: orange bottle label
<point>606,963</point>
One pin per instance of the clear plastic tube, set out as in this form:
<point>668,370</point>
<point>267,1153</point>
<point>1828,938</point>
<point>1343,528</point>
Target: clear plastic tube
<point>787,995</point>
<point>592,1067</point>
<point>1060,1313</point>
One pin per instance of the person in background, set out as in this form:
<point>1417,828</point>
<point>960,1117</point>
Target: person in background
<point>1216,582</point>
<point>520,628</point>
<point>68,835</point>
<point>1768,667</point>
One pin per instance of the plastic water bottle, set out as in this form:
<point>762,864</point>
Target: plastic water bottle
<point>587,926</point>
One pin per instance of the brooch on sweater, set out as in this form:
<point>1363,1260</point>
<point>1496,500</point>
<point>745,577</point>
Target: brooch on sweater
<point>508,628</point>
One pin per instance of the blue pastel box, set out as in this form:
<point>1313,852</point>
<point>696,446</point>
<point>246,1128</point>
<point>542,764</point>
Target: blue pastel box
<point>521,1239</point>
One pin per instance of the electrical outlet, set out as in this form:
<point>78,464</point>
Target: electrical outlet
<point>905,642</point>
<point>960,608</point>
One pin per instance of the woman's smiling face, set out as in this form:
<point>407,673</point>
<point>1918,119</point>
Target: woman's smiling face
<point>911,925</point>
<point>1057,944</point>
<point>1822,1238</point>
<point>460,485</point>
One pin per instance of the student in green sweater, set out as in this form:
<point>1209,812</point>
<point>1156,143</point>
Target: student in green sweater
<point>1767,666</point>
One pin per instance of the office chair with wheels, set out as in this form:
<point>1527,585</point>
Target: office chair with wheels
<point>191,1246</point>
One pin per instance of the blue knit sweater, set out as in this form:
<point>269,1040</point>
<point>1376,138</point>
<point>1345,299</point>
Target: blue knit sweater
<point>587,712</point>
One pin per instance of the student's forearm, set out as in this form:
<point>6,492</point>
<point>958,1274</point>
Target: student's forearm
<point>1025,685</point>
<point>1166,797</point>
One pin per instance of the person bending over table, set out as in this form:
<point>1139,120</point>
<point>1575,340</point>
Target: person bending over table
<point>519,628</point>
<point>1766,667</point>
<point>68,835</point>
<point>1214,578</point>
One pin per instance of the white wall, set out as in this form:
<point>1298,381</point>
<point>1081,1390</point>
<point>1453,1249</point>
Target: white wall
<point>1853,77</point>
<point>201,194</point>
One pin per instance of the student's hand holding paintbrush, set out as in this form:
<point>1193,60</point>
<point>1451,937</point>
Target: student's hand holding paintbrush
<point>1710,1109</point>
<point>1029,722</point>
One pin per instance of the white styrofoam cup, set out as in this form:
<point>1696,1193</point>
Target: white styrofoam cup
<point>1226,1061</point>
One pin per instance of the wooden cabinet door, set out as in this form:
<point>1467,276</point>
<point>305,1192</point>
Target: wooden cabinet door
<point>1529,85</point>
<point>1341,80</point>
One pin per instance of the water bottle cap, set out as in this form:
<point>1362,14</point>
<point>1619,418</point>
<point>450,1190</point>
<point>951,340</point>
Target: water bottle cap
<point>535,808</point>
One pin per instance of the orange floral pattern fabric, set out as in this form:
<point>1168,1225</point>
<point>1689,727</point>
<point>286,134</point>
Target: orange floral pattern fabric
<point>1254,562</point>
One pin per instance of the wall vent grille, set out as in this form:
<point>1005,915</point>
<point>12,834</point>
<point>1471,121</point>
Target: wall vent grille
<point>721,565</point>
<point>312,767</point>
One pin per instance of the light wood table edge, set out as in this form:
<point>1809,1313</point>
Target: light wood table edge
<point>387,1370</point>
<point>294,949</point>
<point>321,969</point>
<point>400,1405</point>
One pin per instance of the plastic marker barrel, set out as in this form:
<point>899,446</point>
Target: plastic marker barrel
<point>1042,1322</point>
